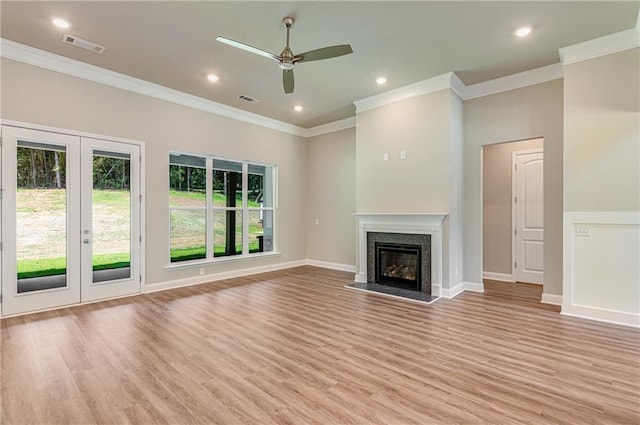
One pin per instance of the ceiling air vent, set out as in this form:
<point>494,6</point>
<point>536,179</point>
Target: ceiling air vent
<point>248,99</point>
<point>83,44</point>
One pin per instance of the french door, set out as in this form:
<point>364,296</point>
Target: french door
<point>70,219</point>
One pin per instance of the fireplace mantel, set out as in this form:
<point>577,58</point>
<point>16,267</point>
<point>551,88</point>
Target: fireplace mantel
<point>412,223</point>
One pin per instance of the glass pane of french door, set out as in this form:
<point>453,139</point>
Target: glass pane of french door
<point>40,211</point>
<point>111,216</point>
<point>41,216</point>
<point>110,219</point>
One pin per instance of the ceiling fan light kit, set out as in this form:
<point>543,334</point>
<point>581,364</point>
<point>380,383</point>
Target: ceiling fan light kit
<point>287,60</point>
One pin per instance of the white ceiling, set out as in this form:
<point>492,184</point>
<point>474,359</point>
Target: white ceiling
<point>173,44</point>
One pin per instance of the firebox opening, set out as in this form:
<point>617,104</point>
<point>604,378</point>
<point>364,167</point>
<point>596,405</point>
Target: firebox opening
<point>399,265</point>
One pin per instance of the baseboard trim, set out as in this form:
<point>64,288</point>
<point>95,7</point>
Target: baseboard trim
<point>473,287</point>
<point>439,291</point>
<point>197,280</point>
<point>503,277</point>
<point>453,291</point>
<point>602,315</point>
<point>332,266</point>
<point>552,299</point>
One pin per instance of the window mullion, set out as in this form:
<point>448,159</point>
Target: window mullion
<point>245,208</point>
<point>209,201</point>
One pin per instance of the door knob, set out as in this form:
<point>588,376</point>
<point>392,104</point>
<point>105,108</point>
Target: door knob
<point>86,241</point>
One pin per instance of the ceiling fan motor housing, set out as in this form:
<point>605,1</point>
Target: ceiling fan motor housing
<point>286,59</point>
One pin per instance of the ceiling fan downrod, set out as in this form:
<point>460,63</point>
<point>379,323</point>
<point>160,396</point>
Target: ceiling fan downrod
<point>287,57</point>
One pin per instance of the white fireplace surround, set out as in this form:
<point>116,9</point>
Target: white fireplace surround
<point>420,224</point>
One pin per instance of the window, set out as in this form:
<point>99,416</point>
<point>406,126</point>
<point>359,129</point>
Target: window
<point>219,207</point>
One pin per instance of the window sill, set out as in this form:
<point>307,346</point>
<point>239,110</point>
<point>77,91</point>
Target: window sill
<point>220,260</point>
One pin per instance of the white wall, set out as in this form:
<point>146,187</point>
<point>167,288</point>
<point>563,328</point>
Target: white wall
<point>525,113</point>
<point>331,198</point>
<point>38,96</point>
<point>454,222</point>
<point>420,183</point>
<point>602,188</point>
<point>602,147</point>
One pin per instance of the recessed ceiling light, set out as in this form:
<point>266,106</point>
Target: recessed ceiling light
<point>60,23</point>
<point>381,80</point>
<point>523,31</point>
<point>298,108</point>
<point>213,78</point>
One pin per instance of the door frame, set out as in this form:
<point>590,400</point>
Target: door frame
<point>514,206</point>
<point>76,133</point>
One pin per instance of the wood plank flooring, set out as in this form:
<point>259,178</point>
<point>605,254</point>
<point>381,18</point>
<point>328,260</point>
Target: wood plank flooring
<point>296,347</point>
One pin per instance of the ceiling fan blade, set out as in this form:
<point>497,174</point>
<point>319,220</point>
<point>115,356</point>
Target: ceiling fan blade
<point>324,53</point>
<point>287,81</point>
<point>248,48</point>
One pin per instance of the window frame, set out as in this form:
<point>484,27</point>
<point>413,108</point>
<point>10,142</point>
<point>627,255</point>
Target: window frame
<point>210,210</point>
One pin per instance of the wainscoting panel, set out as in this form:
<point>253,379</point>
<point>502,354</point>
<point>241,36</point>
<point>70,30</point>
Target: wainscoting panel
<point>601,266</point>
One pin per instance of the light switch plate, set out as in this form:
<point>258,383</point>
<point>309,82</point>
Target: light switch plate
<point>583,230</point>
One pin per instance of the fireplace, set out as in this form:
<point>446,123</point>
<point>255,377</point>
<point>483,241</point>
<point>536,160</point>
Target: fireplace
<point>401,260</point>
<point>424,230</point>
<point>399,265</point>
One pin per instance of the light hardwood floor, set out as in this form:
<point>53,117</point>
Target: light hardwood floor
<point>296,347</point>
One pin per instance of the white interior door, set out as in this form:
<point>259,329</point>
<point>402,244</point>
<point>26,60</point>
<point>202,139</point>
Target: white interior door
<point>40,220</point>
<point>110,219</point>
<point>71,214</point>
<point>528,183</point>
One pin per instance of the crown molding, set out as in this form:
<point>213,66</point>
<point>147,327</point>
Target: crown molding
<point>612,43</point>
<point>458,86</point>
<point>451,81</point>
<point>420,88</point>
<point>32,56</point>
<point>515,81</point>
<point>331,127</point>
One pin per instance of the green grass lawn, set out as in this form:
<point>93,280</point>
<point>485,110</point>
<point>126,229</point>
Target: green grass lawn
<point>55,266</point>
<point>41,231</point>
<point>41,250</point>
<point>198,253</point>
<point>188,227</point>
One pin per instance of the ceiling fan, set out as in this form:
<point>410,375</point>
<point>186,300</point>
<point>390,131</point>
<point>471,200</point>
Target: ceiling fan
<point>287,60</point>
